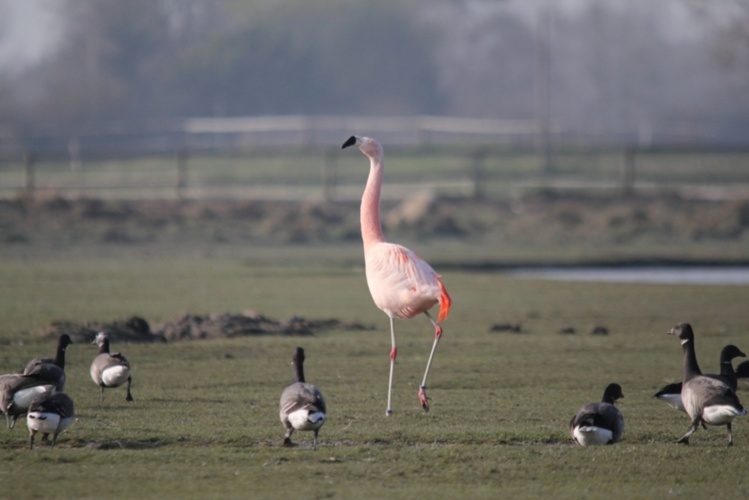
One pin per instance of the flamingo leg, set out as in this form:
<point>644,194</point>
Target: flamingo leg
<point>422,389</point>
<point>393,354</point>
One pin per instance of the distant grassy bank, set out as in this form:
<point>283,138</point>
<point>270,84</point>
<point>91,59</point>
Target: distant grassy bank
<point>539,228</point>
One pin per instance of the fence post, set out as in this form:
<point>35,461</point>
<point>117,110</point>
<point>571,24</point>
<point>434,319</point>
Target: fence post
<point>628,171</point>
<point>477,173</point>
<point>182,157</point>
<point>29,174</point>
<point>74,151</point>
<point>329,173</point>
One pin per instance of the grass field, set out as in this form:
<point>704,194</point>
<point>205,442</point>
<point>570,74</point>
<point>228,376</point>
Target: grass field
<point>205,424</point>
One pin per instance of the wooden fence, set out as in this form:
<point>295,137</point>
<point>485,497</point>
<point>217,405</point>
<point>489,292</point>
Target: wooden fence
<point>477,172</point>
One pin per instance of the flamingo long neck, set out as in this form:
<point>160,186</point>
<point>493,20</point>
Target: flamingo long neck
<point>690,367</point>
<point>371,229</point>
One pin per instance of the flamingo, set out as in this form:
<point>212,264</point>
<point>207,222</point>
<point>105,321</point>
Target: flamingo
<point>402,285</point>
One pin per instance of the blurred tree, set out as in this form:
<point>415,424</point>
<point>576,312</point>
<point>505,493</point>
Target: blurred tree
<point>613,69</point>
<point>146,59</point>
<point>311,57</point>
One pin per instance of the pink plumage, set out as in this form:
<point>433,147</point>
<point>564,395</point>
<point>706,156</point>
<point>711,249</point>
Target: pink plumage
<point>401,284</point>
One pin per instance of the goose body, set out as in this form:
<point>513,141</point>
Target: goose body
<point>588,435</point>
<point>48,372</point>
<point>599,423</point>
<point>49,414</point>
<point>671,393</point>
<point>302,406</point>
<point>109,370</point>
<point>18,391</point>
<point>707,400</point>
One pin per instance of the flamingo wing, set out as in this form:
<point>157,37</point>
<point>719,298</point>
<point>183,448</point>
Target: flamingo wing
<point>401,283</point>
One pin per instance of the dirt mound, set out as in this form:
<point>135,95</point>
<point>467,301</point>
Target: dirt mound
<point>196,326</point>
<point>133,329</point>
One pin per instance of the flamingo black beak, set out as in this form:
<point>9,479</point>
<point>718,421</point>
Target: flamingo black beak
<point>349,142</point>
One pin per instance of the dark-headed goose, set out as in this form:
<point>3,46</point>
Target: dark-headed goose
<point>51,369</point>
<point>742,371</point>
<point>706,399</point>
<point>599,423</point>
<point>671,393</point>
<point>110,369</point>
<point>16,393</point>
<point>59,360</point>
<point>302,405</point>
<point>49,414</point>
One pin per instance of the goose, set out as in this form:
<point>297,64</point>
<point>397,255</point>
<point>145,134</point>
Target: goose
<point>707,400</point>
<point>16,393</point>
<point>599,423</point>
<point>110,370</point>
<point>671,393</point>
<point>49,414</point>
<point>302,405</point>
<point>59,360</point>
<point>742,371</point>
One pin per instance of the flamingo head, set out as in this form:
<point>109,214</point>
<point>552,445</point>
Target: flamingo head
<point>370,147</point>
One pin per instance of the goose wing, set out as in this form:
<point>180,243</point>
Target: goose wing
<point>300,395</point>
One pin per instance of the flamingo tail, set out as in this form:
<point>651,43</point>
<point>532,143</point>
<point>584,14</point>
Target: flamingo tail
<point>445,303</point>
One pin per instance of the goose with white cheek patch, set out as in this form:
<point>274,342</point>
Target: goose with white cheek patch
<point>49,414</point>
<point>302,405</point>
<point>707,400</point>
<point>109,370</point>
<point>599,423</point>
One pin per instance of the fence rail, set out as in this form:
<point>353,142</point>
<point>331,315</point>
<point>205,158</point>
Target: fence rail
<point>476,171</point>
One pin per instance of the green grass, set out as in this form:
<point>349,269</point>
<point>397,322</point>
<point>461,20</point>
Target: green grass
<point>205,424</point>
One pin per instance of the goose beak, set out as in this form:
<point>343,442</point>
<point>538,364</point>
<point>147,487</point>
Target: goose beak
<point>351,141</point>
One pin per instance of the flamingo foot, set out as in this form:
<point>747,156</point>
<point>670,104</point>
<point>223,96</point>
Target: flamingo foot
<point>423,398</point>
<point>389,412</point>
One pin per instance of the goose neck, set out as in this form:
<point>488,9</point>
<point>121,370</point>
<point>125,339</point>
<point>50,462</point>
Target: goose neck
<point>104,347</point>
<point>690,367</point>
<point>298,372</point>
<point>60,357</point>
